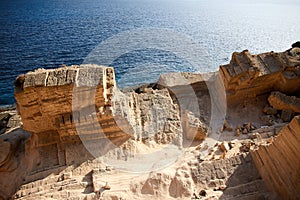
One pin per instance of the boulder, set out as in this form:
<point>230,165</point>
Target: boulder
<point>269,110</point>
<point>287,115</point>
<point>281,101</point>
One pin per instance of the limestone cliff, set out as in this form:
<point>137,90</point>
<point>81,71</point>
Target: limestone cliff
<point>248,75</point>
<point>74,115</point>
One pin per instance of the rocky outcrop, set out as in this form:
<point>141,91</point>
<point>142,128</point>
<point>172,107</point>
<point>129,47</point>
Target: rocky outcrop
<point>71,110</point>
<point>201,99</point>
<point>66,100</point>
<point>152,114</point>
<point>248,75</point>
<point>278,163</point>
<point>12,165</point>
<point>280,101</point>
<point>76,114</point>
<point>9,120</point>
<point>68,112</point>
<point>195,129</point>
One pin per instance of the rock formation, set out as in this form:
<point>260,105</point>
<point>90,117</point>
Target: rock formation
<point>226,123</point>
<point>248,76</point>
<point>279,163</point>
<point>280,101</point>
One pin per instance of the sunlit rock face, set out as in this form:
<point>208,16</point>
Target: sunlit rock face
<point>68,105</point>
<point>247,75</point>
<point>278,163</point>
<point>72,115</point>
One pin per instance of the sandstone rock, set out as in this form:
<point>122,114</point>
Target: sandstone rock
<point>269,110</point>
<point>224,146</point>
<point>5,151</point>
<point>279,150</point>
<point>281,101</point>
<point>202,193</point>
<point>287,115</point>
<point>150,115</point>
<point>237,132</point>
<point>154,116</point>
<point>106,187</point>
<point>255,136</point>
<point>227,126</point>
<point>248,76</point>
<point>244,131</point>
<point>67,176</point>
<point>181,185</point>
<point>194,128</point>
<point>157,182</point>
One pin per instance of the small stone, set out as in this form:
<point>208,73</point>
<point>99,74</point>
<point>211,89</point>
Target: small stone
<point>195,196</point>
<point>237,131</point>
<point>270,140</point>
<point>227,127</point>
<point>252,127</point>
<point>222,187</point>
<point>269,110</point>
<point>67,175</point>
<point>245,131</point>
<point>106,187</point>
<point>231,144</point>
<point>198,147</point>
<point>202,193</point>
<point>224,146</point>
<point>247,126</point>
<point>255,136</point>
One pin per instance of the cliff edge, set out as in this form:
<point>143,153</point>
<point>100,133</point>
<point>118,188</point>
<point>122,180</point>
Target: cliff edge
<point>76,125</point>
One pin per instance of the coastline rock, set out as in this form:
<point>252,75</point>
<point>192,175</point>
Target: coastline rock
<point>63,109</point>
<point>248,76</point>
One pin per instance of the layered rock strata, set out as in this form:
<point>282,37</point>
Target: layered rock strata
<point>248,75</point>
<point>76,113</point>
<point>279,163</point>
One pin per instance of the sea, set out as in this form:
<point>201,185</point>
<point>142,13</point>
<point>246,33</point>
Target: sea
<point>139,38</point>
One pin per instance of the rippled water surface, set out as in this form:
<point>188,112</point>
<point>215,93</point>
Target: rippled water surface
<point>37,33</point>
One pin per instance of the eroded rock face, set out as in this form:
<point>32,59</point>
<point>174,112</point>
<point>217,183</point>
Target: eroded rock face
<point>51,100</point>
<point>281,101</point>
<point>278,163</point>
<point>61,108</point>
<point>73,108</point>
<point>195,129</point>
<point>152,114</point>
<point>248,75</point>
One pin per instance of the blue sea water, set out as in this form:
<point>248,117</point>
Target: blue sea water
<point>40,33</point>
